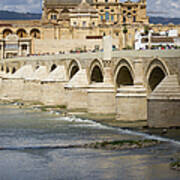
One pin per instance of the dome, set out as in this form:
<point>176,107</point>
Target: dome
<point>84,7</point>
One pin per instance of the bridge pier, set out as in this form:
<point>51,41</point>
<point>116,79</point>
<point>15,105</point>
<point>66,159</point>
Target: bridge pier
<point>52,88</point>
<point>32,85</point>
<point>164,104</point>
<point>131,103</point>
<point>77,92</point>
<point>32,90</point>
<point>101,99</point>
<point>12,87</point>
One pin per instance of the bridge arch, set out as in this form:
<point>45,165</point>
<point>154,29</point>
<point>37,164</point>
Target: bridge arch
<point>73,68</point>
<point>53,67</point>
<point>13,70</point>
<point>155,73</point>
<point>124,73</point>
<point>96,73</point>
<point>2,68</point>
<point>7,70</point>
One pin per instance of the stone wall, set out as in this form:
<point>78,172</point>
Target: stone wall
<point>163,113</point>
<point>54,46</point>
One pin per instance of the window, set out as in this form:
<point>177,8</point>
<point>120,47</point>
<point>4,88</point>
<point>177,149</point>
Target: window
<point>112,18</point>
<point>106,1</point>
<point>24,47</point>
<point>107,16</point>
<point>134,18</point>
<point>53,16</point>
<point>129,15</point>
<point>84,23</point>
<point>124,19</point>
<point>129,7</point>
<point>102,18</point>
<point>74,23</point>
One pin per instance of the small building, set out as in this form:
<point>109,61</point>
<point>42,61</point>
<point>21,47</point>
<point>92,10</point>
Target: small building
<point>12,46</point>
<point>158,40</point>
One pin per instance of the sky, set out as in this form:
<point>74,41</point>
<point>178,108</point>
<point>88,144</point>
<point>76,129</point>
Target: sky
<point>167,8</point>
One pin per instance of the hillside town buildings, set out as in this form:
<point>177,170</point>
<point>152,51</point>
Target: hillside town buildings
<point>77,25</point>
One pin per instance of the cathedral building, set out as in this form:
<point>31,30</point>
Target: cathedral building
<point>72,24</point>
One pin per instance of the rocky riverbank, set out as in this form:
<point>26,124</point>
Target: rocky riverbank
<point>122,145</point>
<point>175,165</point>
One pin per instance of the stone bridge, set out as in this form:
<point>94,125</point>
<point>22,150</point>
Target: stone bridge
<point>128,85</point>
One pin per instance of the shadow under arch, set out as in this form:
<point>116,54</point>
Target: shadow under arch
<point>74,67</point>
<point>96,72</point>
<point>2,68</point>
<point>124,77</point>
<point>53,67</point>
<point>155,73</point>
<point>13,70</point>
<point>7,70</point>
<point>156,76</point>
<point>124,73</point>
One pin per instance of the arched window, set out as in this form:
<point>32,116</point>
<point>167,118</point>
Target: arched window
<point>21,33</point>
<point>53,15</point>
<point>112,17</point>
<point>156,76</point>
<point>96,75</point>
<point>7,32</point>
<point>124,77</point>
<point>107,16</point>
<point>124,19</point>
<point>134,18</point>
<point>35,33</point>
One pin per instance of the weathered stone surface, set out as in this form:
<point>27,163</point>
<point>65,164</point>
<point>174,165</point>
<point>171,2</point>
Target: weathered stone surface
<point>164,104</point>
<point>77,91</point>
<point>131,103</point>
<point>101,99</point>
<point>52,87</point>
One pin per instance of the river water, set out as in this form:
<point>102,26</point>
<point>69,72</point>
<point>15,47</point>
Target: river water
<point>28,150</point>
